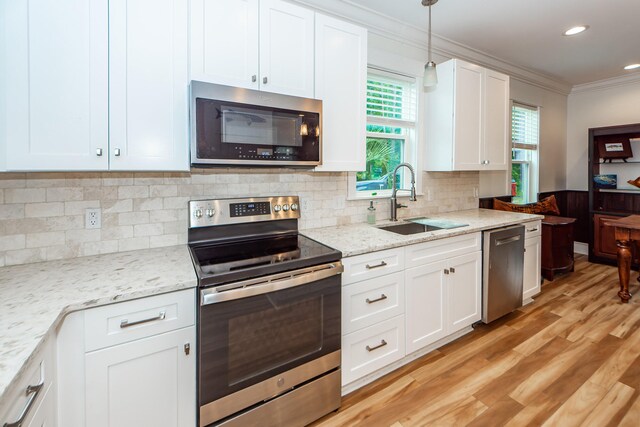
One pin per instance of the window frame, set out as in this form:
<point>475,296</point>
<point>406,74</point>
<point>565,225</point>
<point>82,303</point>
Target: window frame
<point>409,136</point>
<point>533,163</point>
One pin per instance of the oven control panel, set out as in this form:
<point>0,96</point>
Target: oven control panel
<point>206,213</point>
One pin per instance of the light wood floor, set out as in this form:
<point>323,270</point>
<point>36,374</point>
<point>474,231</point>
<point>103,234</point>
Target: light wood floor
<point>570,358</point>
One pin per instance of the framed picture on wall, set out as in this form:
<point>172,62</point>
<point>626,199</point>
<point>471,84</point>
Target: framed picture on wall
<point>608,150</point>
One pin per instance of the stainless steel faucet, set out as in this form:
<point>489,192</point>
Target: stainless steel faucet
<point>394,203</point>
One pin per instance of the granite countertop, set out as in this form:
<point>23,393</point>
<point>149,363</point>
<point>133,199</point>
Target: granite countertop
<point>358,239</point>
<point>35,298</point>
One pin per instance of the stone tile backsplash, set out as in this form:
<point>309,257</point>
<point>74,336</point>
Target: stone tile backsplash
<point>42,214</point>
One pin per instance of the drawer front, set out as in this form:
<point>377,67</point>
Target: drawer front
<point>371,301</point>
<point>372,348</point>
<point>132,320</point>
<point>26,395</point>
<point>372,265</point>
<point>437,250</point>
<point>532,229</point>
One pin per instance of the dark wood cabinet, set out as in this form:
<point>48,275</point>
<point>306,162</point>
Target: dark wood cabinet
<point>607,204</point>
<point>557,245</point>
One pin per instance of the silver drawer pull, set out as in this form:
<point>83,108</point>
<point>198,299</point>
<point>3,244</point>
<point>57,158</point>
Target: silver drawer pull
<point>32,391</point>
<point>125,323</point>
<point>371,301</point>
<point>382,344</point>
<point>371,267</point>
<point>530,230</point>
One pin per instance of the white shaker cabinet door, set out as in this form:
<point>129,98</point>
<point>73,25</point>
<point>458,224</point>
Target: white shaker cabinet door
<point>340,82</point>
<point>468,116</point>
<point>224,42</point>
<point>496,121</point>
<point>148,88</point>
<point>54,96</point>
<point>149,382</point>
<point>464,291</point>
<point>286,48</point>
<point>532,267</point>
<point>425,306</point>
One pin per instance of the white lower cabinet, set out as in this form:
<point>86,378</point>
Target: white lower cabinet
<point>532,260</point>
<point>148,382</point>
<point>390,312</point>
<point>129,364</point>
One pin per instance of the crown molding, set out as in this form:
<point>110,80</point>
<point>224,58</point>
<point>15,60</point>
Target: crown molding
<point>605,84</point>
<point>399,31</point>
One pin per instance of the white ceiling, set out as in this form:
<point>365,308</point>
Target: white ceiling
<point>529,33</point>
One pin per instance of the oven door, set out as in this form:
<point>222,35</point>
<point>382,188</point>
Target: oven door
<point>286,327</point>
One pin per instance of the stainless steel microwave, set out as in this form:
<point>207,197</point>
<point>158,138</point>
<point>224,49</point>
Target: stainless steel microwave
<point>244,127</point>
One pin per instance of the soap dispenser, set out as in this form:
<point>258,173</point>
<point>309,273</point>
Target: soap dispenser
<point>371,214</point>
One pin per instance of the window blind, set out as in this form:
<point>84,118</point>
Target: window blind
<point>389,99</point>
<point>524,126</point>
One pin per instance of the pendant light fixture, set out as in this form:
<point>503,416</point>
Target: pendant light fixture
<point>430,78</point>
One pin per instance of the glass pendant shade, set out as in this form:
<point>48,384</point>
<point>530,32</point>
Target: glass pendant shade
<point>430,77</point>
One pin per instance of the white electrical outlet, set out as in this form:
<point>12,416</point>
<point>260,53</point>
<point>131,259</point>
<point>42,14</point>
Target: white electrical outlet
<point>93,218</point>
<point>429,196</point>
<point>476,192</point>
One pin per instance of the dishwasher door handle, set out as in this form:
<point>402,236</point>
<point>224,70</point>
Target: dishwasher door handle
<point>506,240</point>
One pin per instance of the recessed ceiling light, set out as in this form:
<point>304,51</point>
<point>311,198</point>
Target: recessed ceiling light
<point>576,30</point>
<point>632,67</point>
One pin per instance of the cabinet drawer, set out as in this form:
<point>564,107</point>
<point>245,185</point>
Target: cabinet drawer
<point>436,250</point>
<point>26,395</point>
<point>132,320</point>
<point>532,229</point>
<point>372,348</point>
<point>371,265</point>
<point>368,302</point>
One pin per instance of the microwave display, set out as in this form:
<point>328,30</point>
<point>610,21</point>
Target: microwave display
<point>235,127</point>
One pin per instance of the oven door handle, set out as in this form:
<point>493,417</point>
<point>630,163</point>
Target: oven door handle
<point>276,282</point>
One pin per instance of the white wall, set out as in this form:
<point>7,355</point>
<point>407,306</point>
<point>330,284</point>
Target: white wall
<point>605,103</point>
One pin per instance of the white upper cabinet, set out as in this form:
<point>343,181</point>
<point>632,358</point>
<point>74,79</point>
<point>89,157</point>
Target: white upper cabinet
<point>286,48</point>
<point>224,42</point>
<point>340,82</point>
<point>95,85</point>
<point>265,45</point>
<point>55,93</point>
<point>467,119</point>
<point>148,88</point>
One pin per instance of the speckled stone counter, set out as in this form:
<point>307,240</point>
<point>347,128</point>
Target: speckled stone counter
<point>35,298</point>
<point>358,239</point>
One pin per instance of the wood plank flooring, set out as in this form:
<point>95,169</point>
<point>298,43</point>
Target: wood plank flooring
<point>571,358</point>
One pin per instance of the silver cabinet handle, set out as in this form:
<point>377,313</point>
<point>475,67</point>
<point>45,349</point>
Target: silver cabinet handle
<point>371,267</point>
<point>532,229</point>
<point>265,80</point>
<point>382,344</point>
<point>116,152</point>
<point>254,78</point>
<point>99,152</point>
<point>187,348</point>
<point>453,270</point>
<point>125,323</point>
<point>32,391</point>
<point>446,271</point>
<point>382,298</point>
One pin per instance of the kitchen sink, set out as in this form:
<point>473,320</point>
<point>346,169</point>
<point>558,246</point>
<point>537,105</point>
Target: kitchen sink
<point>438,223</point>
<point>409,228</point>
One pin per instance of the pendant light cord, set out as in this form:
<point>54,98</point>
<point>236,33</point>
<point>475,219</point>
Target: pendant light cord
<point>430,31</point>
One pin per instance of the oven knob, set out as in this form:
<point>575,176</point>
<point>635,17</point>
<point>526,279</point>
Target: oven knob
<point>285,207</point>
<point>210,212</point>
<point>198,213</point>
<point>294,206</point>
<point>277,208</point>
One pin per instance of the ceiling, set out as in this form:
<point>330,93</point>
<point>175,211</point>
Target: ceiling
<point>529,33</point>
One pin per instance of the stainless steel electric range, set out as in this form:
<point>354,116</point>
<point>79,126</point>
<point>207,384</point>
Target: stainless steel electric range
<point>269,317</point>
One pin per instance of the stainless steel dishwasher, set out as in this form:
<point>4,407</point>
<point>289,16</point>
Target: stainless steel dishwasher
<point>502,269</point>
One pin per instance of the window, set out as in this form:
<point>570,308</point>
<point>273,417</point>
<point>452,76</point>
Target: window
<point>524,153</point>
<point>391,130</point>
